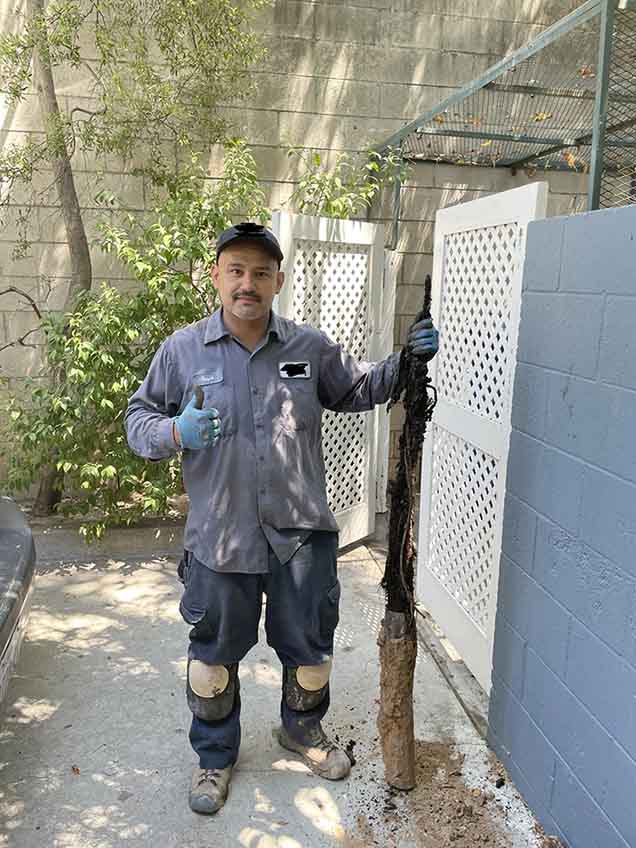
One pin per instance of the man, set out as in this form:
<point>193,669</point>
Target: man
<point>259,520</point>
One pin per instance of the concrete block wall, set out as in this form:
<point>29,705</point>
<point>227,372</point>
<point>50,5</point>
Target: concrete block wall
<point>563,704</point>
<point>339,75</point>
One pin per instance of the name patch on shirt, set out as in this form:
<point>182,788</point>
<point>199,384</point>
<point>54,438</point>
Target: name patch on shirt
<point>294,369</point>
<point>204,379</point>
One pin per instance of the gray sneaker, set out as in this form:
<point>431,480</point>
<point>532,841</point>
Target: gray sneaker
<point>209,789</point>
<point>323,756</point>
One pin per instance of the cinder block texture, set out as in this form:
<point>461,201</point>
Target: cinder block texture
<point>543,257</point>
<point>584,823</point>
<point>590,241</point>
<point>529,411</point>
<point>618,344</point>
<point>338,76</point>
<point>561,332</point>
<point>563,706</point>
<point>593,421</point>
<point>541,476</point>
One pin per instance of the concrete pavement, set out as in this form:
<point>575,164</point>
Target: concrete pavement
<point>93,741</point>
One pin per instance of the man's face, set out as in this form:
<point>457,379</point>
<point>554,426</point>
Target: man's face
<point>247,279</point>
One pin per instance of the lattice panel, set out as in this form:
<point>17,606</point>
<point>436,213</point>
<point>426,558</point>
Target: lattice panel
<point>479,270</point>
<point>462,523</point>
<point>331,292</point>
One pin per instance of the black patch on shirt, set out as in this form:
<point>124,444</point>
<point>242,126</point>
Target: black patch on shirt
<point>294,369</point>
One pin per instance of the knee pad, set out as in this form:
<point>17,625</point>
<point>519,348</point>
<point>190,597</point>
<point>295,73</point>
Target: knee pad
<point>212,689</point>
<point>306,686</point>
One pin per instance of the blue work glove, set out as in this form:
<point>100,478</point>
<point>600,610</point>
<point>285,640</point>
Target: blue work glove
<point>423,339</point>
<point>198,428</point>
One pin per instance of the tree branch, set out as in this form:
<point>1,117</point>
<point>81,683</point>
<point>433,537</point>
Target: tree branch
<point>21,341</point>
<point>26,296</point>
<point>95,76</point>
<point>201,292</point>
<point>42,193</point>
<point>86,112</point>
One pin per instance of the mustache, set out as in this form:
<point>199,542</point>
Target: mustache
<point>236,295</point>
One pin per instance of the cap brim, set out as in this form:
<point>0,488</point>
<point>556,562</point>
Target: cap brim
<point>268,246</point>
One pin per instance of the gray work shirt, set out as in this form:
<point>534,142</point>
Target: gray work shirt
<point>264,480</point>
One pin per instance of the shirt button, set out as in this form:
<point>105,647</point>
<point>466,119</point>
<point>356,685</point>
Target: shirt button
<point>262,491</point>
<point>259,426</point>
<point>262,458</point>
<point>254,391</point>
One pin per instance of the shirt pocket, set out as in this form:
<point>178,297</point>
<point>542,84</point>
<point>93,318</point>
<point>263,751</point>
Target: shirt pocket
<point>217,394</point>
<point>299,405</point>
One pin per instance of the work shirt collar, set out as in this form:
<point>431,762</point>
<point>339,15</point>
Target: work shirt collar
<point>216,328</point>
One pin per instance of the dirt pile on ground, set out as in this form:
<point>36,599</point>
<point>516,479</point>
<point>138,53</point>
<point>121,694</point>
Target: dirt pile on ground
<point>441,812</point>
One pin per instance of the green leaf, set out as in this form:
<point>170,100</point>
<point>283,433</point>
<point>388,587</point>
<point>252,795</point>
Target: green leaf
<point>102,350</point>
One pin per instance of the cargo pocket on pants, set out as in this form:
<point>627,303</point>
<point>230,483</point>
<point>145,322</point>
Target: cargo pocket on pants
<point>191,615</point>
<point>183,569</point>
<point>193,604</point>
<point>330,612</point>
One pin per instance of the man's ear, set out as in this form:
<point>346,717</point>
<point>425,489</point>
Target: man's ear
<point>279,281</point>
<point>214,274</point>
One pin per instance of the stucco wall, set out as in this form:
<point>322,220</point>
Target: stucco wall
<point>338,76</point>
<point>562,714</point>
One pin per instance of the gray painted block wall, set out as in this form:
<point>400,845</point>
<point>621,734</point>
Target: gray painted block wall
<point>563,703</point>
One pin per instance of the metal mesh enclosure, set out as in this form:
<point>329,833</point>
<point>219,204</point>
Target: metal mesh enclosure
<point>618,182</point>
<point>543,102</point>
<point>564,101</point>
<point>331,291</point>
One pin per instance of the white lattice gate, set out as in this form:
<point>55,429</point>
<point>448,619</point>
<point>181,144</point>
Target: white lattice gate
<point>335,281</point>
<point>477,272</point>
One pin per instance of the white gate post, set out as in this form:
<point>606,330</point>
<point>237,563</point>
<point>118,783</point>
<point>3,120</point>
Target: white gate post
<point>382,349</point>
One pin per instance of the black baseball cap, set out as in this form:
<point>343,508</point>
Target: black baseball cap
<point>256,233</point>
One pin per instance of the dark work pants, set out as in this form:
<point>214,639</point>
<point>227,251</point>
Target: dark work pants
<point>301,617</point>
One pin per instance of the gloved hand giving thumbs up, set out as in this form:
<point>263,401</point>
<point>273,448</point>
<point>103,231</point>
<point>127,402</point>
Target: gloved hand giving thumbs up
<point>197,428</point>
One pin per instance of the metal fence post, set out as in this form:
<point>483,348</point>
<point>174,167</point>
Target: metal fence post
<point>395,214</point>
<point>600,108</point>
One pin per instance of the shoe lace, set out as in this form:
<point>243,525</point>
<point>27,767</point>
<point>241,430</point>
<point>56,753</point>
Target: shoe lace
<point>208,776</point>
<point>320,740</point>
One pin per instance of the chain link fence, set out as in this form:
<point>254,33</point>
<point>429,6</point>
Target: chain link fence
<point>618,181</point>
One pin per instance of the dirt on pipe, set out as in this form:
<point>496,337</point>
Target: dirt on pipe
<point>398,653</point>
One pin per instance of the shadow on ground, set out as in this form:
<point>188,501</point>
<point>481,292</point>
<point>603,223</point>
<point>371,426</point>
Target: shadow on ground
<point>93,742</point>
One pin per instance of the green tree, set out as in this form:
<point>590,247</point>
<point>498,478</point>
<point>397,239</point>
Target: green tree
<point>349,187</point>
<point>101,352</point>
<point>158,70</point>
